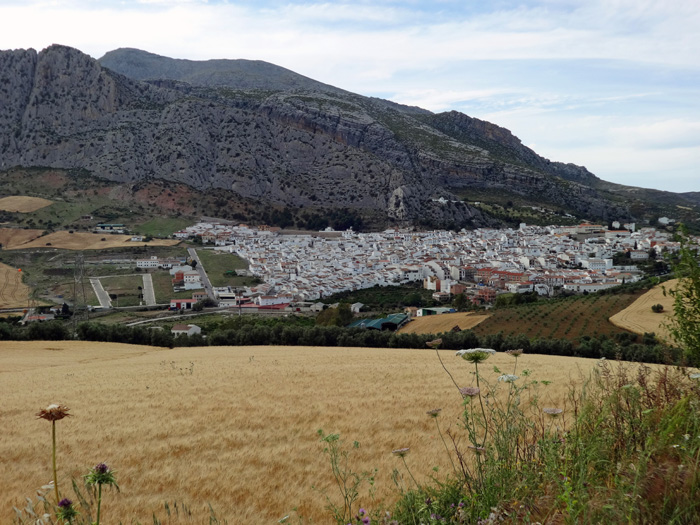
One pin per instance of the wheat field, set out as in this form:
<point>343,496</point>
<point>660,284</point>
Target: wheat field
<point>13,292</point>
<point>639,318</point>
<point>436,324</point>
<point>23,204</point>
<point>234,427</point>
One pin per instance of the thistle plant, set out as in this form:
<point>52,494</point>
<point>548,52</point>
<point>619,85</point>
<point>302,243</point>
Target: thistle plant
<point>100,475</point>
<point>54,413</point>
<point>66,511</point>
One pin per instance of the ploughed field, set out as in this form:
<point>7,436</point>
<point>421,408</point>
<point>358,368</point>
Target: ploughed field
<point>234,427</point>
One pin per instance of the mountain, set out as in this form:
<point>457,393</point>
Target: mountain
<point>254,131</point>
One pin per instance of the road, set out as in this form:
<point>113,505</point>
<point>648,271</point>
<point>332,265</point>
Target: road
<point>149,295</point>
<point>202,274</point>
<point>102,296</point>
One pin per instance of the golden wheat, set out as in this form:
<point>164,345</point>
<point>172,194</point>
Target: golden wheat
<point>639,318</point>
<point>23,204</point>
<point>232,426</point>
<point>436,324</point>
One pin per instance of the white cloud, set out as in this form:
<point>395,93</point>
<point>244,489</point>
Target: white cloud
<point>421,53</point>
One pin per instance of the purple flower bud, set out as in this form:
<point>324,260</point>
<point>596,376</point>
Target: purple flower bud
<point>101,468</point>
<point>65,502</point>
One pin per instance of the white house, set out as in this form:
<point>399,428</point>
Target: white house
<point>187,329</point>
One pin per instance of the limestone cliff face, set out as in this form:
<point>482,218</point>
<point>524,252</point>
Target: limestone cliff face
<point>298,147</point>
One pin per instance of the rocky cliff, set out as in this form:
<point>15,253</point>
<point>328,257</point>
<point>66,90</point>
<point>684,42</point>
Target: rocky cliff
<point>287,141</point>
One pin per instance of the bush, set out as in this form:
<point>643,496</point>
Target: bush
<point>657,308</point>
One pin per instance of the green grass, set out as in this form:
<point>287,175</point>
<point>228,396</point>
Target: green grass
<point>126,287</point>
<point>161,226</point>
<point>163,288</point>
<point>216,263</point>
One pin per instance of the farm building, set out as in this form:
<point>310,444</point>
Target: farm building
<point>434,311</point>
<point>181,304</point>
<point>392,323</point>
<point>186,329</point>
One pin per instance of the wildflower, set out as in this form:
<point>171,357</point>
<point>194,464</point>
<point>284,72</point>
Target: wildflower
<point>554,412</point>
<point>401,452</point>
<point>475,355</point>
<point>435,343</point>
<point>517,352</point>
<point>435,412</point>
<point>65,510</point>
<point>100,475</point>
<point>507,378</point>
<point>53,412</point>
<point>469,391</point>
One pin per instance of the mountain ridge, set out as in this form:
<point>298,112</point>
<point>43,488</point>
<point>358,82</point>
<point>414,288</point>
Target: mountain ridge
<point>315,146</point>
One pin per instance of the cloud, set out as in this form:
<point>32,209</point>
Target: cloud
<point>585,78</point>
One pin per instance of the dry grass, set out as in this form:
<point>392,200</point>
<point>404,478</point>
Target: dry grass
<point>436,324</point>
<point>13,292</point>
<point>13,238</point>
<point>639,318</point>
<point>240,431</point>
<point>77,241</point>
<point>19,203</point>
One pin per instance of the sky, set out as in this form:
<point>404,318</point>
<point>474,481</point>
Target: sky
<point>613,85</point>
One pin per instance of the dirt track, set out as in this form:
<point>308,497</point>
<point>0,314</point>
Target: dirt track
<point>639,318</point>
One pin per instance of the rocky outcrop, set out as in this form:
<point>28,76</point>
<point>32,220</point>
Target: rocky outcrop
<point>295,147</point>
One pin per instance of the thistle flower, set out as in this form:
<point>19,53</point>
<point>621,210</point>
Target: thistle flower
<point>553,412</point>
<point>475,355</point>
<point>401,452</point>
<point>53,412</point>
<point>435,412</point>
<point>469,391</point>
<point>516,352</point>
<point>435,343</point>
<point>100,475</point>
<point>507,378</point>
<point>66,511</point>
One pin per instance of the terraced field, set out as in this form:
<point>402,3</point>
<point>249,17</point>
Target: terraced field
<point>22,204</point>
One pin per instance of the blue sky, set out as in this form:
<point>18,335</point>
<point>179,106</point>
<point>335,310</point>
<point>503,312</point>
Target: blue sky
<point>613,85</point>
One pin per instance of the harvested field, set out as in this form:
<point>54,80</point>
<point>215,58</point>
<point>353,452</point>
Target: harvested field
<point>13,292</point>
<point>436,324</point>
<point>23,204</point>
<point>639,318</point>
<point>231,426</point>
<point>87,241</point>
<point>13,238</point>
